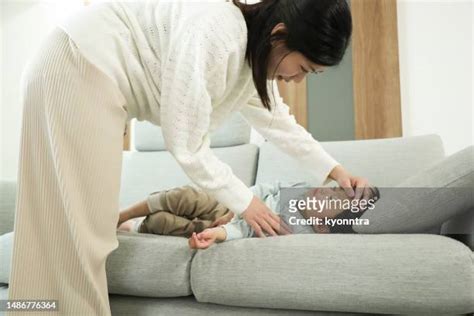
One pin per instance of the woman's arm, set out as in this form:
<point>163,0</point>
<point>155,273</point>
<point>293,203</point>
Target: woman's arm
<point>194,76</point>
<point>281,128</point>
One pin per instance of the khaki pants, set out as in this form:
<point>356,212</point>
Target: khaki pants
<point>186,210</point>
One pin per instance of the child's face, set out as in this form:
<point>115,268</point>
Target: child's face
<point>330,194</point>
<point>324,203</point>
<point>340,201</point>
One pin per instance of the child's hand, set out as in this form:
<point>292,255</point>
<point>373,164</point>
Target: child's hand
<point>202,240</point>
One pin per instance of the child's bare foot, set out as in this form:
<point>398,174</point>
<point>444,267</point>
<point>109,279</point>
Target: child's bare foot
<point>126,226</point>
<point>123,217</point>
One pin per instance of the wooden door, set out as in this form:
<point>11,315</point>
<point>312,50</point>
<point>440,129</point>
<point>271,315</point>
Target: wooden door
<point>376,72</point>
<point>376,75</point>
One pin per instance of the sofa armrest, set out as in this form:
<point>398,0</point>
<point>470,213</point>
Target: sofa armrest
<point>461,228</point>
<point>143,265</point>
<point>7,205</point>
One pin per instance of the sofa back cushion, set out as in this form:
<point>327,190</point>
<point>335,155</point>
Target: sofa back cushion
<point>234,131</point>
<point>147,172</point>
<point>385,162</point>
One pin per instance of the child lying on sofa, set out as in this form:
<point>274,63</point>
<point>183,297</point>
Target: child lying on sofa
<point>190,212</point>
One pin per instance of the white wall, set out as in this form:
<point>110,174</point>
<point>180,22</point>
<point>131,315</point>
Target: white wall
<point>436,65</point>
<point>24,24</point>
<point>435,60</point>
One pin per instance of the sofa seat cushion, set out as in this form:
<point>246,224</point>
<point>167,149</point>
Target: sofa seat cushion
<point>124,305</point>
<point>188,306</point>
<point>150,265</point>
<point>394,274</point>
<point>142,265</point>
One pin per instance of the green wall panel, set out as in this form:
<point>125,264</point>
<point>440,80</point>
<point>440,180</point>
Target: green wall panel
<point>330,102</point>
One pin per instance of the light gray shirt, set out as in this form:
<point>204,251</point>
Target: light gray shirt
<point>270,194</point>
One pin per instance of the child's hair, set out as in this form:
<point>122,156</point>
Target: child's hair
<point>375,196</point>
<point>348,214</point>
<point>376,192</point>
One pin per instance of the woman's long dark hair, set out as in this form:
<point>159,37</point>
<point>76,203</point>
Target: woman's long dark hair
<point>319,29</point>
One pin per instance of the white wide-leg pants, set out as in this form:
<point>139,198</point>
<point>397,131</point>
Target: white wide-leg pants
<point>69,173</point>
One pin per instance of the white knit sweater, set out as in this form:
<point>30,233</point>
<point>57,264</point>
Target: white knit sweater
<point>181,65</point>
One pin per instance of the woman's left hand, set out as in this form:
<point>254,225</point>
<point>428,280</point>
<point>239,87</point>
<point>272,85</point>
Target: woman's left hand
<point>348,182</point>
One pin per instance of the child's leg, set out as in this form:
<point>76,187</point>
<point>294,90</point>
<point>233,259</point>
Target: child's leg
<point>165,223</point>
<point>139,209</point>
<point>181,211</point>
<point>188,202</point>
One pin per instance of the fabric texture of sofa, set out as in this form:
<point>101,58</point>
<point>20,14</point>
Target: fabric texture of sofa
<point>314,274</point>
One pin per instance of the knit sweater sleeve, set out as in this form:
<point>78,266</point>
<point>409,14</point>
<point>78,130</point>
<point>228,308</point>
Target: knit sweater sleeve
<point>281,129</point>
<point>194,77</point>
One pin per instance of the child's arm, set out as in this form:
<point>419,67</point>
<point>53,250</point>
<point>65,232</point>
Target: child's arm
<point>207,237</point>
<point>136,210</point>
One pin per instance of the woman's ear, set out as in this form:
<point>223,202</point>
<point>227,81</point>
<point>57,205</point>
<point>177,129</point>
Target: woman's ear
<point>280,28</point>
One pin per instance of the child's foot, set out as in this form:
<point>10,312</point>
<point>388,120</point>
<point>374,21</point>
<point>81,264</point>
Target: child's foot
<point>126,226</point>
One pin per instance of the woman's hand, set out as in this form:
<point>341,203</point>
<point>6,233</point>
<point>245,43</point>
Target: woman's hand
<point>262,219</point>
<point>348,182</point>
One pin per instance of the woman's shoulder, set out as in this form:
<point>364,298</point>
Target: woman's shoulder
<point>221,21</point>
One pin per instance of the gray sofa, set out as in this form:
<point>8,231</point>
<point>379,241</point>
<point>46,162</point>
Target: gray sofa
<point>287,275</point>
